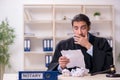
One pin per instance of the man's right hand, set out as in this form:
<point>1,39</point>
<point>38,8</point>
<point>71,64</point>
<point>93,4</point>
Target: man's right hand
<point>63,61</point>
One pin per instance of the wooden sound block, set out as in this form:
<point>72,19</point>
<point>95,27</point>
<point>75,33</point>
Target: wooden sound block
<point>113,75</point>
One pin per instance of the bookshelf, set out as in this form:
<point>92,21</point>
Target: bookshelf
<point>53,22</point>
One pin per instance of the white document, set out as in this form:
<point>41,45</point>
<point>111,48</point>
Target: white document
<point>76,58</point>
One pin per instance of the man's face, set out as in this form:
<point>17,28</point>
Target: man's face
<point>80,28</point>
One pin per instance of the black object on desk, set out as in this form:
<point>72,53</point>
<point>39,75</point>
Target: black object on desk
<point>113,75</point>
<point>111,71</point>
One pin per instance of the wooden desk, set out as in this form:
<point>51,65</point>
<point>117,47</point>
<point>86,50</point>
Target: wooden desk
<point>96,77</point>
<point>10,76</point>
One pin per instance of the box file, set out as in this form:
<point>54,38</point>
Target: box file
<point>48,59</point>
<point>38,75</point>
<point>47,45</point>
<point>27,45</point>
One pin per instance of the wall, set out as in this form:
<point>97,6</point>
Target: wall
<point>13,10</point>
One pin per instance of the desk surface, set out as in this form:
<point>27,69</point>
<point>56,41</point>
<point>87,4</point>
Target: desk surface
<point>96,77</point>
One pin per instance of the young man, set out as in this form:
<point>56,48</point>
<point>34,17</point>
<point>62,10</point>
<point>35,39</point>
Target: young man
<point>97,52</point>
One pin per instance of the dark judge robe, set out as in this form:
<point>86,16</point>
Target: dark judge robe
<point>102,54</point>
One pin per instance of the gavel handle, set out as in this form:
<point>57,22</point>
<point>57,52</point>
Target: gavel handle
<point>111,70</point>
<point>101,72</point>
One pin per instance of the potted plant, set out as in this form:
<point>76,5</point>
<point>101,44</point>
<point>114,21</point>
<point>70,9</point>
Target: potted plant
<point>6,38</point>
<point>97,15</point>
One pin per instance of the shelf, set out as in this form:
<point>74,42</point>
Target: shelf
<point>63,37</point>
<point>105,11</point>
<point>67,11</point>
<point>66,7</point>
<point>37,12</point>
<point>63,21</point>
<point>93,21</point>
<point>54,22</point>
<point>35,68</point>
<point>39,22</point>
<point>37,7</point>
<point>98,6</point>
<point>101,21</point>
<point>39,37</point>
<point>38,52</point>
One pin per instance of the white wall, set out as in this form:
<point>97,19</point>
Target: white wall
<point>13,10</point>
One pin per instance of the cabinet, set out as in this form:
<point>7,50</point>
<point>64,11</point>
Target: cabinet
<point>62,20</point>
<point>104,26</point>
<point>38,25</point>
<point>53,22</point>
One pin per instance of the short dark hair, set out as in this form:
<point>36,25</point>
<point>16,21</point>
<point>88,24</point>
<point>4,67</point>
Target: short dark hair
<point>81,17</point>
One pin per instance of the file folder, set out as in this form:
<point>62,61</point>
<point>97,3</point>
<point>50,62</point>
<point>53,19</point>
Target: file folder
<point>48,59</point>
<point>27,45</point>
<point>44,45</point>
<point>38,75</point>
<point>47,45</point>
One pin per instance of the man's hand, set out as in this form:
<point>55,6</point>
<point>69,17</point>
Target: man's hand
<point>63,61</point>
<point>82,40</point>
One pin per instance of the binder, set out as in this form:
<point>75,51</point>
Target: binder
<point>47,45</point>
<point>44,45</point>
<point>48,59</point>
<point>38,75</point>
<point>51,45</point>
<point>27,45</point>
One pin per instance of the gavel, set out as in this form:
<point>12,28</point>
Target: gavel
<point>111,70</point>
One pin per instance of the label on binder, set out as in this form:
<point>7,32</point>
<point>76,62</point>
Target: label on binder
<point>32,76</point>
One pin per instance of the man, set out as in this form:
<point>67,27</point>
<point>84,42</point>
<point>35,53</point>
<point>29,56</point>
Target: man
<point>96,50</point>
